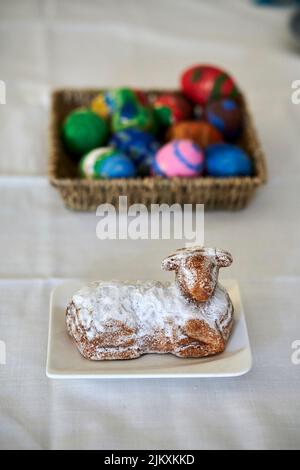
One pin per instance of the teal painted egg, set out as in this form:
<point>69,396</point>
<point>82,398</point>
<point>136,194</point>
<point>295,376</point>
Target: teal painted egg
<point>115,165</point>
<point>133,116</point>
<point>118,97</point>
<point>227,160</point>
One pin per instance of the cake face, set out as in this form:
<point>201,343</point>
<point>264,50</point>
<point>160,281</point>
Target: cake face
<point>197,270</point>
<point>122,320</point>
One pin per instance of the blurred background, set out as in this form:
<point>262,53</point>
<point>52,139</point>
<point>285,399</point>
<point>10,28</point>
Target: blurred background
<point>49,43</point>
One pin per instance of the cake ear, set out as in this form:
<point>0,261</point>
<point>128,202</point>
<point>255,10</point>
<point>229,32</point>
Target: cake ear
<point>223,258</point>
<point>171,263</point>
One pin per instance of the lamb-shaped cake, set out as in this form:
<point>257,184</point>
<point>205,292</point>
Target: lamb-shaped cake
<point>191,317</point>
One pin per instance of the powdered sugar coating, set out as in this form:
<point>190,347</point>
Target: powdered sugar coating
<point>191,317</point>
<point>143,307</point>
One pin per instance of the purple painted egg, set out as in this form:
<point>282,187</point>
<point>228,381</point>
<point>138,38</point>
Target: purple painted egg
<point>179,158</point>
<point>226,116</point>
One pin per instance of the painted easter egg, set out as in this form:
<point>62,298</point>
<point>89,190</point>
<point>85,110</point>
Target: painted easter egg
<point>132,115</point>
<point>202,83</point>
<point>83,131</point>
<point>142,97</point>
<point>226,160</point>
<point>88,161</point>
<point>226,115</point>
<point>116,165</point>
<point>200,132</point>
<point>179,158</point>
<point>98,105</point>
<point>139,145</point>
<point>170,108</point>
<point>118,97</point>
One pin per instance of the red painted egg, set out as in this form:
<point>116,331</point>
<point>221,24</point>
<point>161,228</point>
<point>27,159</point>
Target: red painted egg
<point>170,109</point>
<point>141,97</point>
<point>202,83</point>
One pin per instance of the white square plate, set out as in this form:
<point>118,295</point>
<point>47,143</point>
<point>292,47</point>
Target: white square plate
<point>65,362</point>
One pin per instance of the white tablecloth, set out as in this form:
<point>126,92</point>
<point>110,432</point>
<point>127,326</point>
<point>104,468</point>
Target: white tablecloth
<point>50,43</point>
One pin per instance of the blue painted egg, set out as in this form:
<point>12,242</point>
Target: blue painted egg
<point>139,145</point>
<point>226,160</point>
<point>116,165</point>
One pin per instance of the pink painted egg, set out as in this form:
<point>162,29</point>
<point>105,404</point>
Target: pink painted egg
<point>179,158</point>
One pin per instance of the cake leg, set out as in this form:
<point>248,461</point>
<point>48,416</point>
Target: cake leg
<point>209,340</point>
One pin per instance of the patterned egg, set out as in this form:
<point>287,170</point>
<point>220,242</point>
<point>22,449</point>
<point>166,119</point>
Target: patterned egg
<point>98,105</point>
<point>132,115</point>
<point>170,108</point>
<point>141,146</point>
<point>116,165</point>
<point>226,160</point>
<point>116,98</point>
<point>200,132</point>
<point>179,158</point>
<point>83,131</point>
<point>203,83</point>
<point>226,115</point>
<point>88,161</point>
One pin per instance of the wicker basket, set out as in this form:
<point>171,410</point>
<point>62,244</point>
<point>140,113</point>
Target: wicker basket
<point>86,195</point>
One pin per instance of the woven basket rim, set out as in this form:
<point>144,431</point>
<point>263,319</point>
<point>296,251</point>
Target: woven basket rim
<point>207,181</point>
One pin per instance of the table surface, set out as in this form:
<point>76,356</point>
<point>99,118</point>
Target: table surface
<point>44,44</point>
